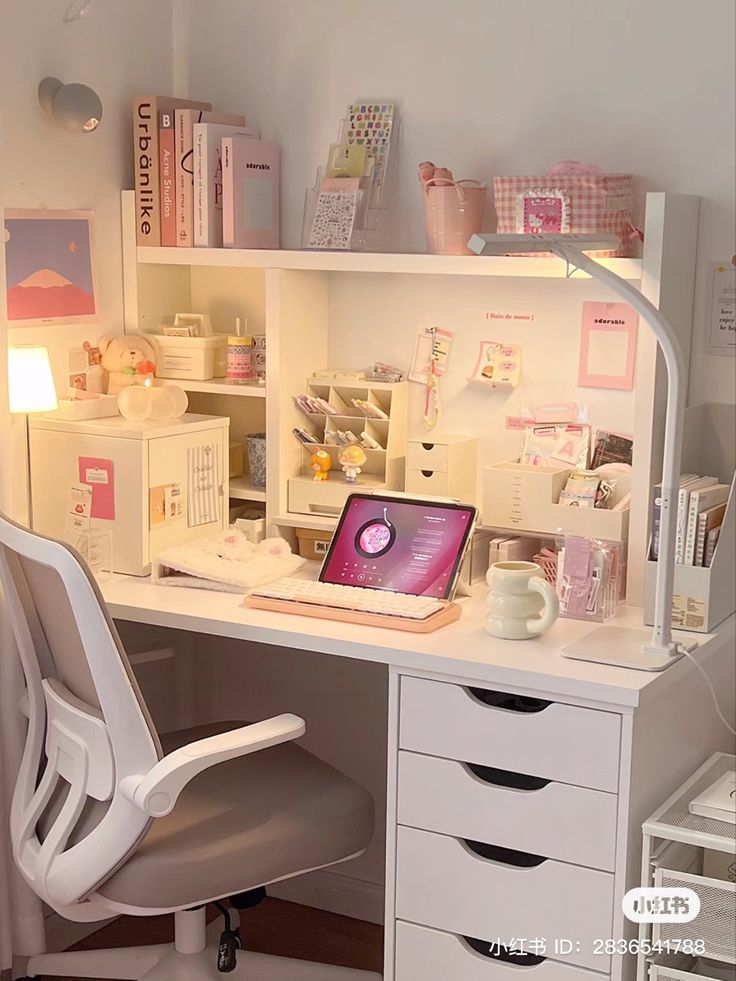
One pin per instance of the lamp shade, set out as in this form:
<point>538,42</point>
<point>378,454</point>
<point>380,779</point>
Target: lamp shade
<point>30,382</point>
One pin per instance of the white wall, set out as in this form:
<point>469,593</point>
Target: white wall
<point>121,49</point>
<point>494,87</point>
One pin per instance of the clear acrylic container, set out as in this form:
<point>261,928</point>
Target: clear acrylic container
<point>342,217</point>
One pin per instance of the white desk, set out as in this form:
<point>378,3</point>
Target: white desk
<point>611,745</point>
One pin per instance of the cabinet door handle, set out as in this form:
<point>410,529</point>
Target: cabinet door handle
<point>427,473</point>
<point>509,701</point>
<point>509,955</point>
<point>506,778</point>
<point>428,446</point>
<point>506,856</point>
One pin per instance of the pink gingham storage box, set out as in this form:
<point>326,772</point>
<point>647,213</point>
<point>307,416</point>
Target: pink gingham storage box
<point>595,203</point>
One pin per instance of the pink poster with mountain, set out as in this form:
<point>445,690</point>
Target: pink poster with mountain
<point>48,266</point>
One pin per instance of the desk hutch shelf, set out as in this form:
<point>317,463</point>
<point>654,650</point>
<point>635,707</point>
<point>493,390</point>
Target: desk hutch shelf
<point>343,310</point>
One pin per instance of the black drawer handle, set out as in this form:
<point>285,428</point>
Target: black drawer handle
<point>506,778</point>
<point>509,955</point>
<point>426,473</point>
<point>506,856</point>
<point>506,700</point>
<point>428,446</point>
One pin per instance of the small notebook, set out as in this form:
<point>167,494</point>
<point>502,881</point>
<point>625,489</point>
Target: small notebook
<point>719,800</point>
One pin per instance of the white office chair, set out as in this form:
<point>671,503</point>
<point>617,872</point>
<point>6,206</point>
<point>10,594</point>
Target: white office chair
<point>107,819</point>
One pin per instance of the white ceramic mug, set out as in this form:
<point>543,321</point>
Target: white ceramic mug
<point>522,604</point>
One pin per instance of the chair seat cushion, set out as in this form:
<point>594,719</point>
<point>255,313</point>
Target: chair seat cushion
<point>244,823</point>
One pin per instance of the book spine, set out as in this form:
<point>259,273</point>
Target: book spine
<point>228,194</point>
<point>200,187</point>
<point>692,528</point>
<point>656,520</point>
<point>166,146</point>
<point>700,538</point>
<point>183,123</point>
<point>683,499</point>
<point>146,170</point>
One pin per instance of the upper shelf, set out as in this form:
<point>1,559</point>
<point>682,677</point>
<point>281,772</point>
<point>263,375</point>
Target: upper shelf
<point>379,262</point>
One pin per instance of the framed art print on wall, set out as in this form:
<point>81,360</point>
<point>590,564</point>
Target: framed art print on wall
<point>49,267</point>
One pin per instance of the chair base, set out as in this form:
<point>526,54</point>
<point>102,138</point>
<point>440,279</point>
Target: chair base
<point>188,959</point>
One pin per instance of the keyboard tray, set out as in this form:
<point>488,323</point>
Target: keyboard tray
<point>448,614</point>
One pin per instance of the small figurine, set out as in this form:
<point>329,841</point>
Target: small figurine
<point>351,459</point>
<point>320,461</point>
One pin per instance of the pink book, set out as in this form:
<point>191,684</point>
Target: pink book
<point>184,120</point>
<point>166,176</point>
<point>250,193</point>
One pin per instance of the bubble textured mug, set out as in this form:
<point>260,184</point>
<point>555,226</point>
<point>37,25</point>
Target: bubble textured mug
<point>521,603</point>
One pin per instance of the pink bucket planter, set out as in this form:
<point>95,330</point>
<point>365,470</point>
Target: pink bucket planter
<point>453,212</point>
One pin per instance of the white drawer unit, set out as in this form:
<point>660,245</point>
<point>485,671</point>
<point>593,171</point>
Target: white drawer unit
<point>531,736</point>
<point>556,820</point>
<point>445,466</point>
<point>442,883</point>
<point>423,954</point>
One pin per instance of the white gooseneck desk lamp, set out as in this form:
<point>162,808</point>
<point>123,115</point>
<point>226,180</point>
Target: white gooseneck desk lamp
<point>619,645</point>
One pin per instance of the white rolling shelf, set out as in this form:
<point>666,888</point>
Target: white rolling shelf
<point>298,298</point>
<point>673,823</point>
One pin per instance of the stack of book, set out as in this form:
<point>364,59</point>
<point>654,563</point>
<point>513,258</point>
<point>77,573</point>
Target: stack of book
<point>701,507</point>
<point>202,178</point>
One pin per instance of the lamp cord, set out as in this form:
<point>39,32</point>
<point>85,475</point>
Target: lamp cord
<point>712,691</point>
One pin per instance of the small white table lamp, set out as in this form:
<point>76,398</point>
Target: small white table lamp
<point>618,645</point>
<point>30,389</point>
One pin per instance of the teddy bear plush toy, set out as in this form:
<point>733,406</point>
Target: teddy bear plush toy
<point>128,359</point>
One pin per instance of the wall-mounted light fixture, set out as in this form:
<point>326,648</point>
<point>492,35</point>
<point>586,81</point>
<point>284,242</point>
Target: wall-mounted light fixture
<point>75,107</point>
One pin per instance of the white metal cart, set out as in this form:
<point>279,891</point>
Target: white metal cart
<point>674,848</point>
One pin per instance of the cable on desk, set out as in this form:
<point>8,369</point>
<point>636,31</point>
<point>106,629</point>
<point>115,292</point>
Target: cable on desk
<point>712,690</point>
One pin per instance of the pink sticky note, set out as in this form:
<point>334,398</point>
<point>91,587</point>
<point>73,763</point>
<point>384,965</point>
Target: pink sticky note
<point>100,475</point>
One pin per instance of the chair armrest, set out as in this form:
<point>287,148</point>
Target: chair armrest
<point>157,792</point>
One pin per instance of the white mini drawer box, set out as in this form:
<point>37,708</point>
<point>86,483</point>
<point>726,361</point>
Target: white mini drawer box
<point>442,883</point>
<point>432,955</point>
<point>559,742</point>
<point>124,462</point>
<point>557,820</point>
<point>445,466</point>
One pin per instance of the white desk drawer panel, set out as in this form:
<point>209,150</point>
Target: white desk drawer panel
<point>441,883</point>
<point>544,739</point>
<point>432,955</point>
<point>556,820</point>
<point>427,456</point>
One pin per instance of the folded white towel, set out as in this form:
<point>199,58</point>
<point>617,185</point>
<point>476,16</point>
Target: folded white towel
<point>228,562</point>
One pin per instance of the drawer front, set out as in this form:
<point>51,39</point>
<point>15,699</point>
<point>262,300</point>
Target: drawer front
<point>428,482</point>
<point>556,820</point>
<point>559,742</point>
<point>427,456</point>
<point>307,496</point>
<point>431,955</point>
<point>441,883</point>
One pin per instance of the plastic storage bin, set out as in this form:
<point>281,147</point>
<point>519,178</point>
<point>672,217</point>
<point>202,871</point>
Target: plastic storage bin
<point>195,358</point>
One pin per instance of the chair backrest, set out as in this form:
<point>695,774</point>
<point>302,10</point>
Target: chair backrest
<point>88,726</point>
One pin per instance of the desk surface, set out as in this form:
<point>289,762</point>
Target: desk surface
<point>463,649</point>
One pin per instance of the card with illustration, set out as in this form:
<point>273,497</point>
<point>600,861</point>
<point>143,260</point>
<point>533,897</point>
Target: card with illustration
<point>49,272</point>
<point>542,212</point>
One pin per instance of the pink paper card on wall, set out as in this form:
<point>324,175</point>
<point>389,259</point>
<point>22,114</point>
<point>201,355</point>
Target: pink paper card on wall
<point>607,346</point>
<point>100,475</point>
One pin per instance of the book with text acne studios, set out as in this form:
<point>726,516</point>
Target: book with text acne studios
<point>250,193</point>
<point>146,162</point>
<point>184,120</point>
<point>207,139</point>
<point>166,176</point>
